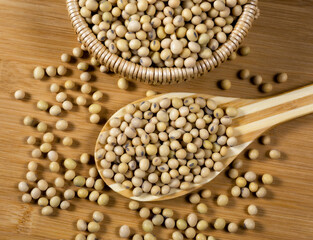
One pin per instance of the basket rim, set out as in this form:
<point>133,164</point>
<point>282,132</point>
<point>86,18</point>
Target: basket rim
<point>161,75</point>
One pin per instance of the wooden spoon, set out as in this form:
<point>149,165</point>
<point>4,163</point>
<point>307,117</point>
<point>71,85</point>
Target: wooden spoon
<point>255,116</point>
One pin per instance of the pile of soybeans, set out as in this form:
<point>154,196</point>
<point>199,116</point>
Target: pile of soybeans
<point>170,144</point>
<point>162,33</point>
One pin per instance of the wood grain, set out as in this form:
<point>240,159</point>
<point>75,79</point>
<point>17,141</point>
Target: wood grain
<point>35,32</point>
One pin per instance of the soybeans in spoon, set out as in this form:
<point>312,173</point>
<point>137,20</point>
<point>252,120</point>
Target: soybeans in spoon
<point>165,146</point>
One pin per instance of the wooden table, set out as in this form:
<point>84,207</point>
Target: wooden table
<point>37,32</point>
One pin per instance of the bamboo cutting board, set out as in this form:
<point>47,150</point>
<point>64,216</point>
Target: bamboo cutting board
<point>35,32</point>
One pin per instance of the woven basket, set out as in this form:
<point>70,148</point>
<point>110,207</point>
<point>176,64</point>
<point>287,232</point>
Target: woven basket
<point>163,75</point>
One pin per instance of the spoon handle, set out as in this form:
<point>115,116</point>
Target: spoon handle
<point>266,113</point>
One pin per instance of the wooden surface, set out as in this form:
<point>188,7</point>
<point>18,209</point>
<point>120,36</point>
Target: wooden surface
<point>36,32</point>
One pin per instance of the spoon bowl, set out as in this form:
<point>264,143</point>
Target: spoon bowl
<point>254,117</point>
